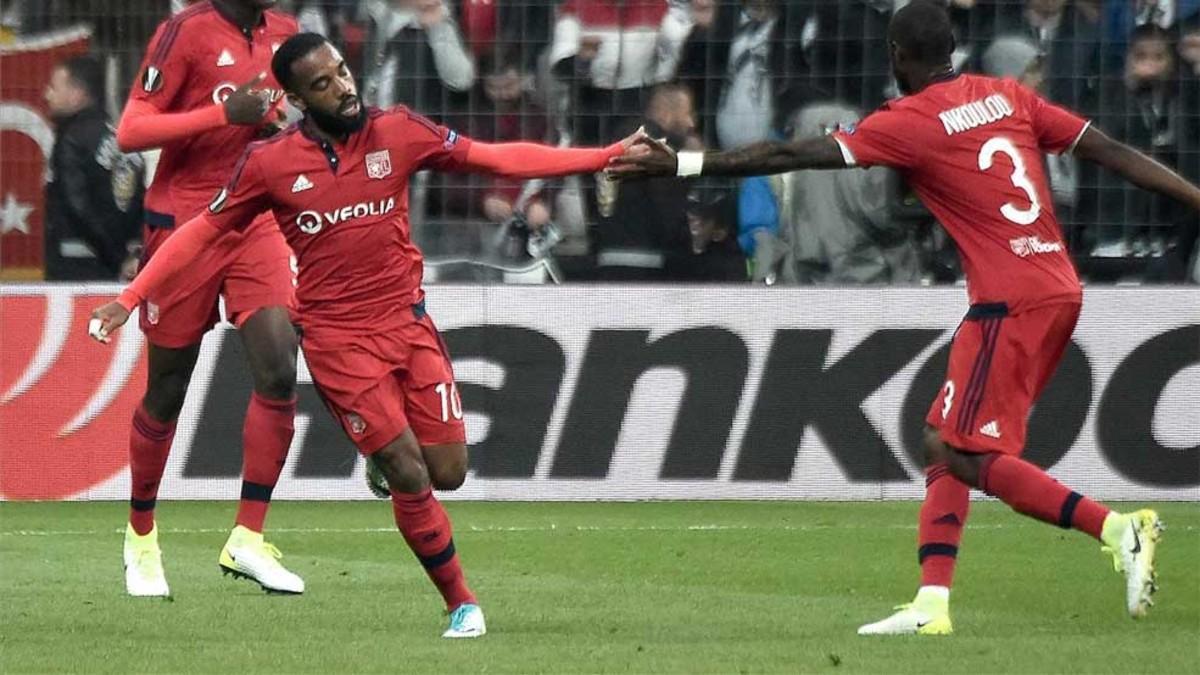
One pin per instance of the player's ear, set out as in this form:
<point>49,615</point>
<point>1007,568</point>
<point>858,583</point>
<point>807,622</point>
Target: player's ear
<point>297,102</point>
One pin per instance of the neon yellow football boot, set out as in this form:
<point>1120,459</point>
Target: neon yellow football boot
<point>1132,540</point>
<point>247,556</point>
<point>144,576</point>
<point>927,614</point>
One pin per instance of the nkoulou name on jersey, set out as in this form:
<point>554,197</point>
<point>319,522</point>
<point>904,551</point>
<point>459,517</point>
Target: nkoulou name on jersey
<point>972,149</point>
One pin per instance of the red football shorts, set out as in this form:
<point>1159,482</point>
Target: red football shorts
<point>999,364</point>
<point>252,269</point>
<point>379,384</point>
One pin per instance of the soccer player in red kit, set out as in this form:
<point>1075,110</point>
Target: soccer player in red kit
<point>971,148</point>
<point>337,184</point>
<point>197,100</point>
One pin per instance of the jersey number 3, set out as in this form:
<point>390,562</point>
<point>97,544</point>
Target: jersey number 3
<point>1019,178</point>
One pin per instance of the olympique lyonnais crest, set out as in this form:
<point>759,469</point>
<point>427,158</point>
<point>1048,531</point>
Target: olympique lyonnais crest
<point>379,164</point>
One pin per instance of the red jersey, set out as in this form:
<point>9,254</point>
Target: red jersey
<point>344,210</point>
<point>972,149</point>
<point>196,59</point>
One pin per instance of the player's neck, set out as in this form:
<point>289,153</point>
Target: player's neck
<point>314,130</point>
<point>933,75</point>
<point>244,16</point>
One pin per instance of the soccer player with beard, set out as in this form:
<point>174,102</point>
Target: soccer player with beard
<point>971,148</point>
<point>337,184</point>
<point>197,99</point>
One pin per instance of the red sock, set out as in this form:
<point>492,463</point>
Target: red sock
<point>426,528</point>
<point>1031,491</point>
<point>149,445</point>
<point>266,437</point>
<point>943,515</point>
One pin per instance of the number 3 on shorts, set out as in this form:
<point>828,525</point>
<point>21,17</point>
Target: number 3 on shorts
<point>451,403</point>
<point>947,398</point>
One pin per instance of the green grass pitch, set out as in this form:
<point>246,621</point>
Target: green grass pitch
<point>679,587</point>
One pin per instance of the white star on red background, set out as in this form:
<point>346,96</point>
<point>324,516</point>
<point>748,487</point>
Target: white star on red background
<point>14,215</point>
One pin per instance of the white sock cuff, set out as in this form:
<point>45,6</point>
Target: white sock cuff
<point>941,592</point>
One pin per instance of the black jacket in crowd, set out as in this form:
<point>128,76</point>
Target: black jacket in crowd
<point>81,204</point>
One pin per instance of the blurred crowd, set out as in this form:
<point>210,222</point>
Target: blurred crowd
<point>720,74</point>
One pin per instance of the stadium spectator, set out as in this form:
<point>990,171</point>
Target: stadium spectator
<point>610,52</point>
<point>838,226</point>
<point>632,242</point>
<point>1189,50</point>
<point>709,250</point>
<point>492,26</point>
<point>1120,17</point>
<point>416,56</point>
<point>502,110</point>
<point>93,199</point>
<point>1070,41</point>
<point>1145,109</point>
<point>848,50</point>
<point>743,63</point>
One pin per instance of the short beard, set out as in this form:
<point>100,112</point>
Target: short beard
<point>338,125</point>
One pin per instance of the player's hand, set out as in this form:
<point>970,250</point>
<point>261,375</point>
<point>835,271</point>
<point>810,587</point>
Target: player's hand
<point>430,12</point>
<point>247,106</point>
<point>644,158</point>
<point>276,121</point>
<point>105,320</point>
<point>633,139</point>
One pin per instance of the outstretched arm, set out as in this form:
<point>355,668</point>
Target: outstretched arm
<point>159,276</point>
<point>1135,167</point>
<point>654,158</point>
<point>234,208</point>
<point>533,160</point>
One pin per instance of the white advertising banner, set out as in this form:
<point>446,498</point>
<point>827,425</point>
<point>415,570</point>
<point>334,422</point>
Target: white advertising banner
<point>633,392</point>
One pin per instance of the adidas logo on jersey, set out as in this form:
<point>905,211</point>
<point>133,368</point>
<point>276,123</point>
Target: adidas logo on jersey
<point>225,59</point>
<point>302,183</point>
<point>990,429</point>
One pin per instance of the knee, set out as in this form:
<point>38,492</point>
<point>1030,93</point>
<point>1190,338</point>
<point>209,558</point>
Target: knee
<point>164,397</point>
<point>965,466</point>
<point>275,375</point>
<point>403,467</point>
<point>277,380</point>
<point>936,450</point>
<point>447,465</point>
<point>447,481</point>
<point>448,477</point>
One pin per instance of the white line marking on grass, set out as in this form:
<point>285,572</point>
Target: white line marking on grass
<point>501,529</point>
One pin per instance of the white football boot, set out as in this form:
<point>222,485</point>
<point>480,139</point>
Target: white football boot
<point>466,621</point>
<point>144,575</point>
<point>1132,540</point>
<point>247,556</point>
<point>928,614</point>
